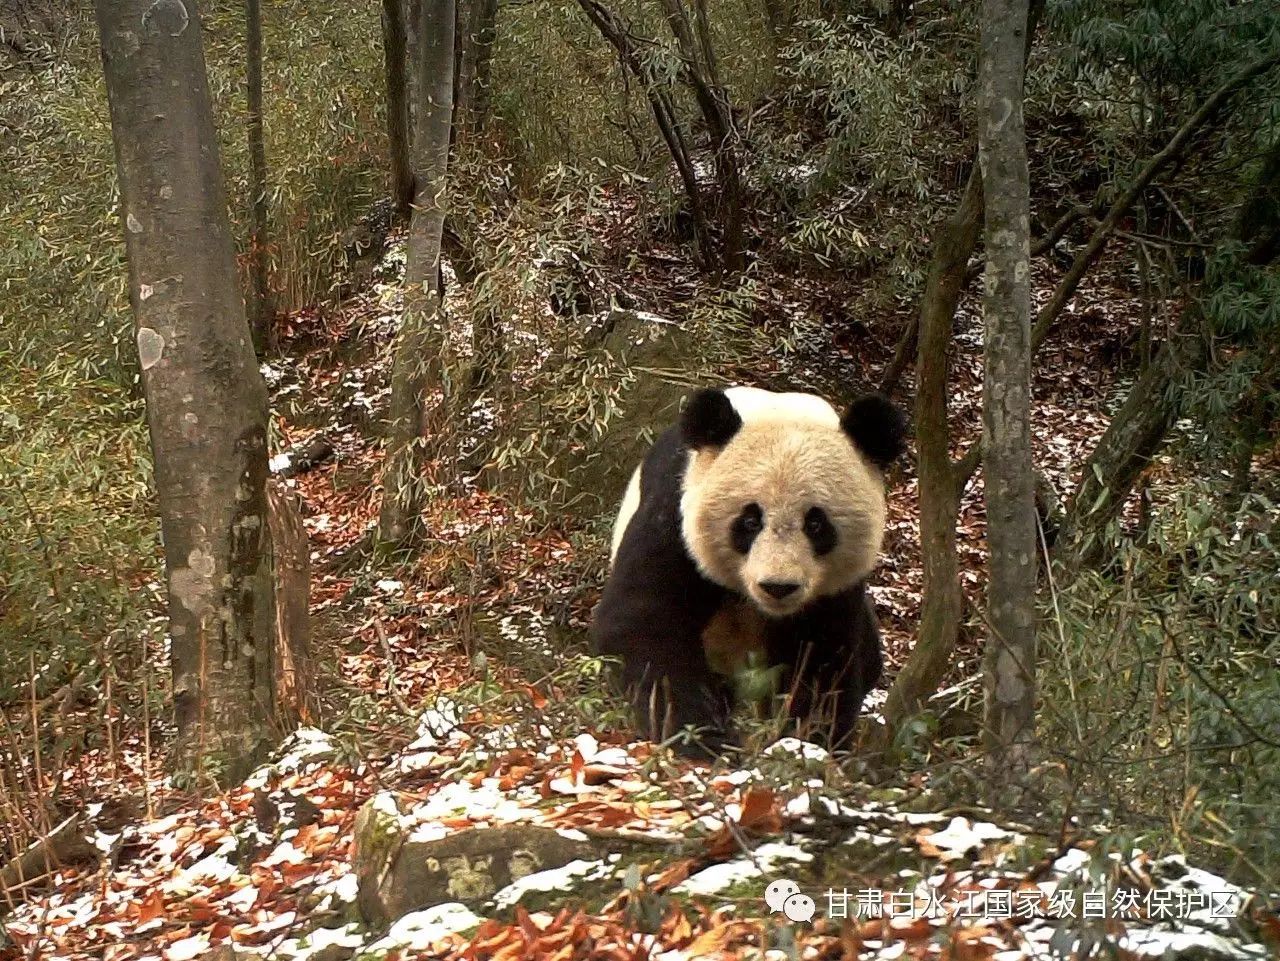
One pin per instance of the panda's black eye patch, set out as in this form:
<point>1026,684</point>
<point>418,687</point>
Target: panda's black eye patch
<point>745,527</point>
<point>820,531</point>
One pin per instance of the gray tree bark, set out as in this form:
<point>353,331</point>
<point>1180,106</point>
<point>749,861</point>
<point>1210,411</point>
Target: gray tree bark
<point>941,480</point>
<point>206,401</point>
<point>418,365</point>
<point>261,308</point>
<point>395,54</point>
<point>1009,487</point>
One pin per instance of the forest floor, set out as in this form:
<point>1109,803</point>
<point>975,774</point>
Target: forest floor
<point>661,858</point>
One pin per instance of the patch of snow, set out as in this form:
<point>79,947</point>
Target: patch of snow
<point>1147,943</point>
<point>279,463</point>
<point>342,890</point>
<point>389,586</point>
<point>307,745</point>
<point>419,930</point>
<point>485,801</point>
<point>961,836</point>
<point>863,837</point>
<point>794,747</point>
<point>437,722</point>
<point>1073,862</point>
<point>556,879</point>
<point>765,859</point>
<point>319,940</point>
<point>1223,901</point>
<point>187,949</point>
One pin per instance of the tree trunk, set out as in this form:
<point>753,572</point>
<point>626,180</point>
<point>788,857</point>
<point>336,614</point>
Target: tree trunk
<point>702,76</point>
<point>619,35</point>
<point>941,481</point>
<point>486,35</point>
<point>294,669</point>
<point>1009,487</point>
<point>206,401</point>
<point>476,26</point>
<point>1125,449</point>
<point>394,48</point>
<point>939,485</point>
<point>261,309</point>
<point>418,365</point>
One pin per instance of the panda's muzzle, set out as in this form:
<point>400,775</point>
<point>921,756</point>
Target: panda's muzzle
<point>779,590</point>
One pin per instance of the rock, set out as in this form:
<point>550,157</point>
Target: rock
<point>558,883</point>
<point>398,872</point>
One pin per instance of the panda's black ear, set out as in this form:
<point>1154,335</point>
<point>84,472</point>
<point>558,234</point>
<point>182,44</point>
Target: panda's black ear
<point>709,420</point>
<point>877,428</point>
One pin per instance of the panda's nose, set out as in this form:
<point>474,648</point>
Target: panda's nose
<point>778,589</point>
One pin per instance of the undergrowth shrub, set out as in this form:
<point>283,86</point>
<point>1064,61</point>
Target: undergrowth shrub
<point>1161,697</point>
<point>855,156</point>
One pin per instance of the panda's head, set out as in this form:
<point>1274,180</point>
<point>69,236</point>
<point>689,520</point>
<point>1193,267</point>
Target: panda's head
<point>783,500</point>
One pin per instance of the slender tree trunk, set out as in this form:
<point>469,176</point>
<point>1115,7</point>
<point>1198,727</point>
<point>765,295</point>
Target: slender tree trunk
<point>206,401</point>
<point>261,308</point>
<point>939,484</point>
<point>694,43</point>
<point>486,35</point>
<point>941,480</point>
<point>1010,655</point>
<point>619,35</point>
<point>397,100</point>
<point>418,364</point>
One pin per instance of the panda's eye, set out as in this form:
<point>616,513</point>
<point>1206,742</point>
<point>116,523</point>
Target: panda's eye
<point>746,526</point>
<point>820,531</point>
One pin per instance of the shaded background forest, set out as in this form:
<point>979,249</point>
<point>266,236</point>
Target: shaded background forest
<point>569,229</point>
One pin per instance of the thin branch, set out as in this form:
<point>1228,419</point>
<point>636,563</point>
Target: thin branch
<point>1173,150</point>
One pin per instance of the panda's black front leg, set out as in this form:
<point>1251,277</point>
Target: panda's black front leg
<point>664,669</point>
<point>672,694</point>
<point>833,650</point>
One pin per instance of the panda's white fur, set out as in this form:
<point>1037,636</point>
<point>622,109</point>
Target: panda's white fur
<point>789,454</point>
<point>630,503</point>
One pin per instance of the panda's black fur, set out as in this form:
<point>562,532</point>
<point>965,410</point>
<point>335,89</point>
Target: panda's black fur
<point>657,605</point>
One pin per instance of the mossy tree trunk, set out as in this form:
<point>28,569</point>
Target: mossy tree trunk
<point>476,30</point>
<point>261,308</point>
<point>395,62</point>
<point>205,398</point>
<point>940,480</point>
<point>1009,675</point>
<point>418,367</point>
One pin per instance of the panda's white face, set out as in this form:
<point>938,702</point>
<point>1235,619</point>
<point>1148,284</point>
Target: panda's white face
<point>787,509</point>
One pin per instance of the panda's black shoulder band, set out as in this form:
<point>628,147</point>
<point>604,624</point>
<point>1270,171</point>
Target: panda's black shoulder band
<point>709,419</point>
<point>877,427</point>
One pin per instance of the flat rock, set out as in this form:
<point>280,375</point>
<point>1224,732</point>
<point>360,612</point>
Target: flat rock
<point>399,872</point>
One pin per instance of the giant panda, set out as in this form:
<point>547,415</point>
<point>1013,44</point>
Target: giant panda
<point>756,520</point>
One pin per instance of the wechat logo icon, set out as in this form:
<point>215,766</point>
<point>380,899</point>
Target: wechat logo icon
<point>783,895</point>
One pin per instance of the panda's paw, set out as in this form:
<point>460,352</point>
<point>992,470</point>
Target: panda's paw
<point>706,744</point>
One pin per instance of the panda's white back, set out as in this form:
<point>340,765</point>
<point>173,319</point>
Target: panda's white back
<point>754,404</point>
